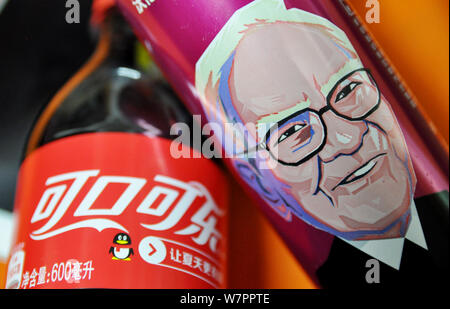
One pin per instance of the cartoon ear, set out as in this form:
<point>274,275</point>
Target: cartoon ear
<point>211,94</point>
<point>254,178</point>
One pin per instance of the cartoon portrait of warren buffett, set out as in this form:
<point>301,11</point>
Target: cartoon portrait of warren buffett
<point>342,162</point>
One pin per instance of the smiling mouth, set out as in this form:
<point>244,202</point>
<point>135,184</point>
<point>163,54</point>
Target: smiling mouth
<point>360,172</point>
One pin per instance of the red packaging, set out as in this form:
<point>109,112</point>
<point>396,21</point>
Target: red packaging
<point>100,219</point>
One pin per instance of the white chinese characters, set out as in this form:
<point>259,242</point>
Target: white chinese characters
<point>168,199</point>
<point>141,5</point>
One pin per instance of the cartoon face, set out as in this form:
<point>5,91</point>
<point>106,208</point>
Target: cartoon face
<point>341,163</point>
<point>336,139</point>
<point>122,239</point>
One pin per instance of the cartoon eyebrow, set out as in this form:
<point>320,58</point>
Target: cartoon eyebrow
<point>279,116</point>
<point>349,66</point>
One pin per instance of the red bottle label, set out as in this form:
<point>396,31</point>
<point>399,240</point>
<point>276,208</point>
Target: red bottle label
<point>115,210</point>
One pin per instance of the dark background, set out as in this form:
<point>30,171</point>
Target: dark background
<point>39,52</point>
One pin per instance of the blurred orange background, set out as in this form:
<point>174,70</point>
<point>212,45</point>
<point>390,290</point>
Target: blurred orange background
<point>2,274</point>
<point>414,34</point>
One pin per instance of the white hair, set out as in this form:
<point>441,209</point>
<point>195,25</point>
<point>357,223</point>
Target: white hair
<point>257,12</point>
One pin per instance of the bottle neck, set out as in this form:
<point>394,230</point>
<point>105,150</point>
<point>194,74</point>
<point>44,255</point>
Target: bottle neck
<point>113,49</point>
<point>121,49</point>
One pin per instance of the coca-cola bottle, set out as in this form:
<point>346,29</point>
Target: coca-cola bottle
<point>100,201</point>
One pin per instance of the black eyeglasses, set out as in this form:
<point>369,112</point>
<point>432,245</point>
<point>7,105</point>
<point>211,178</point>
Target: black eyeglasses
<point>299,137</point>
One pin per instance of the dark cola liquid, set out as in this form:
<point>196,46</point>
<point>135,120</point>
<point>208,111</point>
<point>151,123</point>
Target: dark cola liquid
<point>112,100</point>
<point>118,98</point>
